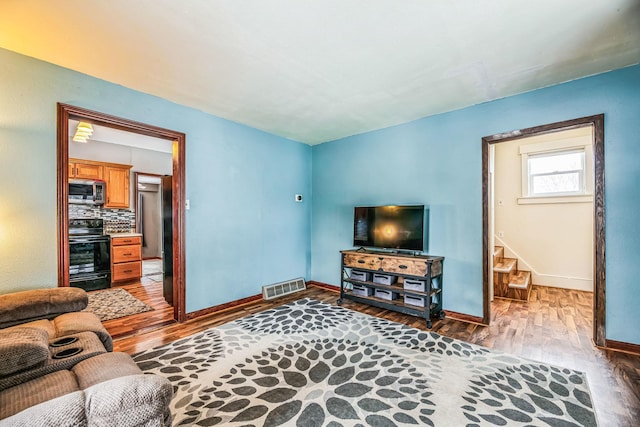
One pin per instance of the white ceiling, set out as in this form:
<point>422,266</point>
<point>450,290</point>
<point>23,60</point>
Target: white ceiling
<point>315,71</point>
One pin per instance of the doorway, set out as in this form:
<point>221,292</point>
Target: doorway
<point>153,219</point>
<point>148,213</point>
<point>68,112</point>
<point>488,144</point>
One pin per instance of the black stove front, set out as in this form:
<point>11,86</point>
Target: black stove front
<point>89,254</point>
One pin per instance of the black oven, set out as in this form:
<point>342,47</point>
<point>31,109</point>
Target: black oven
<point>89,255</point>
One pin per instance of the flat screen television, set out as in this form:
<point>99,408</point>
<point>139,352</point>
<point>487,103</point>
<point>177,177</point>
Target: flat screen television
<point>389,227</point>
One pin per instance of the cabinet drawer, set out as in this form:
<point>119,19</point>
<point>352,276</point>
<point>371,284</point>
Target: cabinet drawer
<point>405,266</point>
<point>118,241</point>
<point>126,271</point>
<point>370,262</point>
<point>125,253</point>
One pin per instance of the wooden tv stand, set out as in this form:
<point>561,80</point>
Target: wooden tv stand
<point>364,273</point>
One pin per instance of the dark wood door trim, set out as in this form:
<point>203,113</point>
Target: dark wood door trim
<point>599,276</point>
<point>66,112</point>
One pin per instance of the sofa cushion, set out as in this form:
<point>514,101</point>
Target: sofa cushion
<point>20,307</point>
<point>22,348</point>
<point>104,367</point>
<point>25,395</point>
<point>134,400</point>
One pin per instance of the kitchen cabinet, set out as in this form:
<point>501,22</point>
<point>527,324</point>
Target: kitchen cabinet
<point>126,257</point>
<point>81,169</point>
<point>115,175</point>
<point>117,179</point>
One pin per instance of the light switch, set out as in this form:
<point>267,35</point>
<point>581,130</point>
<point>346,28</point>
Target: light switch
<point>187,205</point>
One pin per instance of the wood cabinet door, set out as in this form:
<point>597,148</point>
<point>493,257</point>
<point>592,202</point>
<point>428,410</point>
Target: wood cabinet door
<point>117,180</point>
<point>86,171</point>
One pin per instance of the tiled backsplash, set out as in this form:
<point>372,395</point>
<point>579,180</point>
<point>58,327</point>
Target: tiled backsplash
<point>114,219</point>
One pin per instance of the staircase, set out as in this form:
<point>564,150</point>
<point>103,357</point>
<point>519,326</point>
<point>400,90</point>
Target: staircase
<point>508,281</point>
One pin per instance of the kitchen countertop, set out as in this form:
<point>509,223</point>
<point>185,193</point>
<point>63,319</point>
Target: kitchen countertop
<point>125,234</point>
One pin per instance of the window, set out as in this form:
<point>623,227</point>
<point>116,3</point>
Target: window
<point>557,168</point>
<point>559,173</point>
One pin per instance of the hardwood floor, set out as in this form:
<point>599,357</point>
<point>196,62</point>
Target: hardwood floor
<point>150,292</point>
<point>554,327</point>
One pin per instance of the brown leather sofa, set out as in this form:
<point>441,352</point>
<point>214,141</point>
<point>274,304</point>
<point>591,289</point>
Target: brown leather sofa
<point>58,368</point>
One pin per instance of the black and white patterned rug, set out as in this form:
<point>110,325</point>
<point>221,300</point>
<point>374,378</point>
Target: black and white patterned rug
<point>313,364</point>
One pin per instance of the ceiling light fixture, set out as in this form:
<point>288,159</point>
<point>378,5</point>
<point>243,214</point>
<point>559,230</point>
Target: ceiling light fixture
<point>83,132</point>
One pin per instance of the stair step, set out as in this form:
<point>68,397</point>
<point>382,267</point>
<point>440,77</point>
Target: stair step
<point>507,265</point>
<point>520,280</point>
<point>498,253</point>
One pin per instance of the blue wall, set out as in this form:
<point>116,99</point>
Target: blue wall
<point>437,161</point>
<point>243,230</point>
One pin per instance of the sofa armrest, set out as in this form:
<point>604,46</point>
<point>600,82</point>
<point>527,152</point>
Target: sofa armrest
<point>22,348</point>
<point>134,400</point>
<point>25,306</point>
<point>73,323</point>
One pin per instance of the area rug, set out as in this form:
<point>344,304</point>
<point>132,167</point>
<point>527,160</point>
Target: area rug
<point>114,303</point>
<point>314,364</point>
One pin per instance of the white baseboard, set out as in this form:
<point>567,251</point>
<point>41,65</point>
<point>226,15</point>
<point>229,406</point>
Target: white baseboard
<point>562,282</point>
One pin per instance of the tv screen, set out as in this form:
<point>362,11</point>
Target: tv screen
<point>389,227</point>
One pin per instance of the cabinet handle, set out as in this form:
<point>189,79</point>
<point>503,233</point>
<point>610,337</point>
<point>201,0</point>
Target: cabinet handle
<point>127,241</point>
<point>404,267</point>
<point>360,261</point>
<point>128,271</point>
<point>127,254</point>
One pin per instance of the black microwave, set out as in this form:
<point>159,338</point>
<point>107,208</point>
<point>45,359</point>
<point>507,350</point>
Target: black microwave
<point>88,192</point>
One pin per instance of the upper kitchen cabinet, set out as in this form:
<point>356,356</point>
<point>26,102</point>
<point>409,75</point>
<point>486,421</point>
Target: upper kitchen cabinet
<point>115,175</point>
<point>117,179</point>
<point>84,169</point>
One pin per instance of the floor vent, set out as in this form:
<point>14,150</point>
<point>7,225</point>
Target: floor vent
<point>283,288</point>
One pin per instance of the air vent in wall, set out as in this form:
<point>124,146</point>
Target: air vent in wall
<point>283,288</point>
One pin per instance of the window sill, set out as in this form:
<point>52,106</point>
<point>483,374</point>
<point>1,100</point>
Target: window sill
<point>588,198</point>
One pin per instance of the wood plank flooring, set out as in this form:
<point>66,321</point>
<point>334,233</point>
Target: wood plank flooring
<point>554,327</point>
<point>150,292</point>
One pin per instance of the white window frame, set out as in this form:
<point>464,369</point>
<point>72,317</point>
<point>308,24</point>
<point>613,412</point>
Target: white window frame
<point>551,148</point>
<point>581,191</point>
